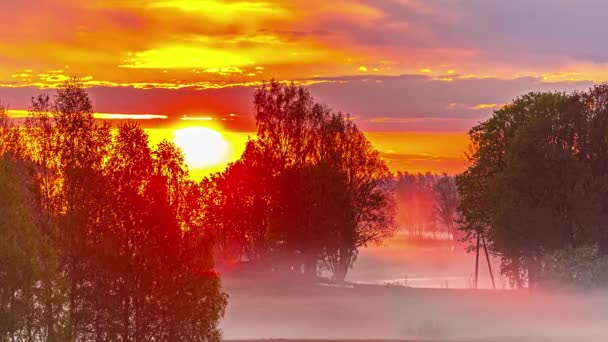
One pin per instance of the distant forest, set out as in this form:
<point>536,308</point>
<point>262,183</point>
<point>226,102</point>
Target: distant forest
<point>427,206</point>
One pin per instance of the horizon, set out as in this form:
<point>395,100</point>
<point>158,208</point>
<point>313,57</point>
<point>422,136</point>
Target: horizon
<point>203,75</point>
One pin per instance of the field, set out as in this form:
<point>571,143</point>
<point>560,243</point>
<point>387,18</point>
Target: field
<point>262,310</point>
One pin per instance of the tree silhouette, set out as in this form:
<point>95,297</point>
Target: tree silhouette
<point>446,203</point>
<point>120,249</point>
<point>308,190</point>
<point>28,259</point>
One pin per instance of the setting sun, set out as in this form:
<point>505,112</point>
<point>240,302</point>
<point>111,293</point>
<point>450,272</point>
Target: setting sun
<point>203,147</point>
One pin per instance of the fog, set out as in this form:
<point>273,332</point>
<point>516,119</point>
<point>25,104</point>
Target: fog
<point>267,308</point>
<point>426,264</point>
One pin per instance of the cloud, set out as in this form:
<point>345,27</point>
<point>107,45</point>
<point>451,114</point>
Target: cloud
<point>176,42</point>
<point>185,57</point>
<point>377,103</point>
<point>413,102</point>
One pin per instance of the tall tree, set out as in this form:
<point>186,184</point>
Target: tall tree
<point>310,188</point>
<point>446,202</point>
<point>82,147</point>
<point>26,257</point>
<point>41,139</point>
<point>372,207</point>
<point>117,242</point>
<point>531,188</point>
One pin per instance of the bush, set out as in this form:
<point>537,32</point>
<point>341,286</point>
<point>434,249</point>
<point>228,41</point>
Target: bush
<point>582,267</point>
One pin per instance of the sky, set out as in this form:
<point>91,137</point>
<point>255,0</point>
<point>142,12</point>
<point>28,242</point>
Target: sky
<point>414,74</point>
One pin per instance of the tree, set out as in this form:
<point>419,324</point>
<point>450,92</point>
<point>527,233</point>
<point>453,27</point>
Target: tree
<point>81,149</point>
<point>446,203</point>
<point>190,300</point>
<point>311,224</point>
<point>576,268</point>
<point>310,188</point>
<point>10,135</point>
<point>26,257</point>
<point>531,188</point>
<point>370,216</point>
<point>238,205</point>
<point>41,138</point>
<point>288,122</point>
<point>417,204</point>
<point>163,286</point>
<point>118,247</point>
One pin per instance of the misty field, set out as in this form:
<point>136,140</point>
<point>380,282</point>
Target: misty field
<point>263,309</point>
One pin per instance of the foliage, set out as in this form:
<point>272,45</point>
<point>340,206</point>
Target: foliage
<point>308,189</point>
<point>578,268</point>
<point>446,202</point>
<point>107,238</point>
<point>426,205</point>
<point>10,135</point>
<point>110,245</point>
<point>26,258</point>
<point>536,183</point>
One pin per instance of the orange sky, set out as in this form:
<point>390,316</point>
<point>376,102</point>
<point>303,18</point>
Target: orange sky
<point>400,67</point>
<point>403,151</point>
<point>208,43</point>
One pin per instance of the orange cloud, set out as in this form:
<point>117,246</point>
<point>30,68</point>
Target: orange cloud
<point>177,43</point>
<point>21,113</point>
<point>484,106</point>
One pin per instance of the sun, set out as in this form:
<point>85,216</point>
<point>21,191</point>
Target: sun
<point>203,147</point>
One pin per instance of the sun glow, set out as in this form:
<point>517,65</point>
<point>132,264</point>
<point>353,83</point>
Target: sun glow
<point>203,147</point>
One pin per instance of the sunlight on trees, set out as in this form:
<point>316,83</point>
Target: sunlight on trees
<point>106,245</point>
<point>308,191</point>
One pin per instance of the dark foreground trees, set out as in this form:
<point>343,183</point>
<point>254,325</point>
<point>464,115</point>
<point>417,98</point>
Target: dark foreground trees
<point>537,184</point>
<point>105,238</point>
<point>102,242</point>
<point>28,261</point>
<point>308,190</point>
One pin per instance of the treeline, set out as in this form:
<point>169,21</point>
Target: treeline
<point>105,238</point>
<point>427,206</point>
<point>537,188</point>
<point>101,237</point>
<point>308,191</point>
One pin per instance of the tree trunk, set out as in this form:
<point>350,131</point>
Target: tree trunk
<point>534,271</point>
<point>48,311</point>
<point>477,261</point>
<point>344,260</point>
<point>72,310</point>
<point>310,266</point>
<point>603,246</point>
